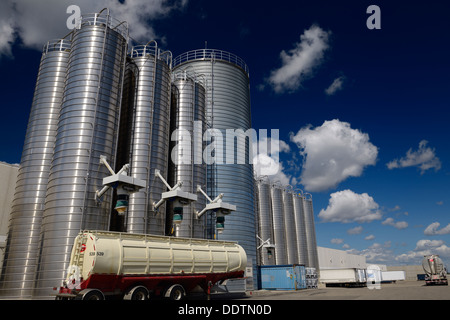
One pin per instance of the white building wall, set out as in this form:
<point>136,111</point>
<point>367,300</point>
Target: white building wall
<point>8,178</point>
<point>337,259</point>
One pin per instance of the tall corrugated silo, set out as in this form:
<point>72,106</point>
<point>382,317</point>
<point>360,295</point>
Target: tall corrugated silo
<point>279,235</point>
<point>289,226</point>
<point>187,129</point>
<point>228,107</point>
<point>311,242</point>
<point>22,249</point>
<point>300,229</point>
<point>149,137</point>
<point>264,218</point>
<point>87,129</point>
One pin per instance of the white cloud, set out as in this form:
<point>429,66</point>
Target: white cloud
<point>369,237</point>
<point>432,229</point>
<point>398,225</point>
<point>332,153</point>
<point>300,62</point>
<point>376,253</point>
<point>337,241</point>
<point>36,22</point>
<point>6,29</point>
<point>425,247</point>
<point>347,206</point>
<point>266,160</point>
<point>336,86</point>
<point>355,230</point>
<point>424,158</point>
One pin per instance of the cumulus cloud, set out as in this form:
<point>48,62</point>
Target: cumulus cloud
<point>398,225</point>
<point>300,62</point>
<point>332,153</point>
<point>266,161</point>
<point>369,237</point>
<point>355,230</point>
<point>336,86</point>
<point>425,247</point>
<point>36,22</point>
<point>377,253</point>
<point>337,241</point>
<point>424,158</point>
<point>7,33</point>
<point>432,229</point>
<point>347,206</point>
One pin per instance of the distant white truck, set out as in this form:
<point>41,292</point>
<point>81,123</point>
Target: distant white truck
<point>348,277</point>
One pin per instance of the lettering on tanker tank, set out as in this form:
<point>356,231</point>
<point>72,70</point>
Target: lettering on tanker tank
<point>99,254</point>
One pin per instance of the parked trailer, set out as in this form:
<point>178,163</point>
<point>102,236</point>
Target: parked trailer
<point>349,277</point>
<point>392,276</point>
<point>137,266</point>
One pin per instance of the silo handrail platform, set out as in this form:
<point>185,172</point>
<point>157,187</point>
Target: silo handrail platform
<point>203,54</point>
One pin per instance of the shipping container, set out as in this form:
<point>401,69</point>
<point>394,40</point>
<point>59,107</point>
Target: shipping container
<point>283,277</point>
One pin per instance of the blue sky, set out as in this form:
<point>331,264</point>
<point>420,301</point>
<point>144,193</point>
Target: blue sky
<point>389,104</point>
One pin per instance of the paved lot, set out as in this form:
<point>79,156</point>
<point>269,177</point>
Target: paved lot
<point>402,290</point>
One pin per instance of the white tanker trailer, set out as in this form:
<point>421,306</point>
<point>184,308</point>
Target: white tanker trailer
<point>135,266</point>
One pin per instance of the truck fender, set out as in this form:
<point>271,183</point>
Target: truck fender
<point>175,292</point>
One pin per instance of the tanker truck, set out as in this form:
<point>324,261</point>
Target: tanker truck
<point>435,272</point>
<point>139,266</point>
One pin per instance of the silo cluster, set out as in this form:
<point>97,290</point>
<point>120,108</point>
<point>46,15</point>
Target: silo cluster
<point>285,225</point>
<point>98,97</point>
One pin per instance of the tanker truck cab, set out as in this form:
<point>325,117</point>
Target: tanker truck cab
<point>138,266</point>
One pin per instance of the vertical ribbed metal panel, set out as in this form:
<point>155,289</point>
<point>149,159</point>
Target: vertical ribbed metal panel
<point>228,107</point>
<point>300,230</point>
<point>189,111</point>
<point>28,205</point>
<point>289,227</point>
<point>265,230</point>
<point>313,257</point>
<point>149,138</point>
<point>279,235</point>
<point>87,129</point>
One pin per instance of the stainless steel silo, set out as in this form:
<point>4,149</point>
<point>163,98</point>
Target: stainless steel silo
<point>313,258</point>
<point>300,229</point>
<point>289,226</point>
<point>228,107</point>
<point>22,251</point>
<point>189,114</point>
<point>279,235</point>
<point>87,129</point>
<point>264,217</point>
<point>149,139</point>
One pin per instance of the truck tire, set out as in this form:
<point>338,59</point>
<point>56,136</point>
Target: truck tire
<point>137,293</point>
<point>175,292</point>
<point>90,294</point>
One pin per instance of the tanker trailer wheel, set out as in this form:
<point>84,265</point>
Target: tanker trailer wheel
<point>90,294</point>
<point>175,292</point>
<point>137,293</point>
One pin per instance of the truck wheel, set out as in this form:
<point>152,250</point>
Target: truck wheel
<point>175,292</point>
<point>90,294</point>
<point>137,293</point>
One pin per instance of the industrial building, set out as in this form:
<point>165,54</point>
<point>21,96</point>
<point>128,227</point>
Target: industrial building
<point>101,107</point>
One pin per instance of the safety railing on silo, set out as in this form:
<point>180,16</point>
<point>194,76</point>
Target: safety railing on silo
<point>208,54</point>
